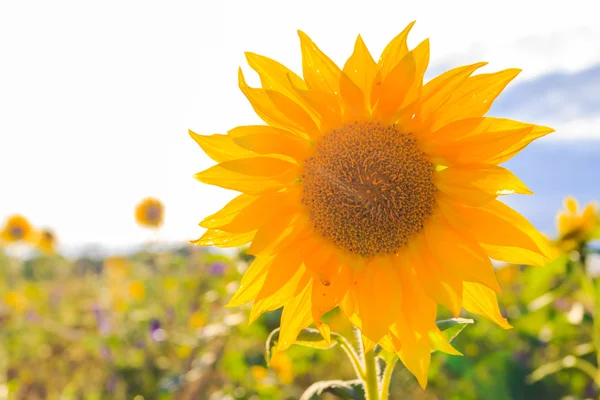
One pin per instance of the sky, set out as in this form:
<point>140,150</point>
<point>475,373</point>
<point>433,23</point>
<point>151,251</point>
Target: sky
<point>96,98</point>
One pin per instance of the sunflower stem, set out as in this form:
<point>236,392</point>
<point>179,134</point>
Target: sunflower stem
<point>387,377</point>
<point>356,363</point>
<point>371,381</point>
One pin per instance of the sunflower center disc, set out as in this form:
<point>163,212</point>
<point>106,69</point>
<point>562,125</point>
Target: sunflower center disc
<point>17,233</point>
<point>368,188</point>
<point>153,213</point>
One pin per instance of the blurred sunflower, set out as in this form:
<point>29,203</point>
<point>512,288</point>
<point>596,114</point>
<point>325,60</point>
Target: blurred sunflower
<point>46,242</point>
<point>150,213</point>
<point>574,227</point>
<point>17,229</point>
<point>371,191</point>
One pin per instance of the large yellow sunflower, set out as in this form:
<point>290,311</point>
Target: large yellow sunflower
<point>374,192</point>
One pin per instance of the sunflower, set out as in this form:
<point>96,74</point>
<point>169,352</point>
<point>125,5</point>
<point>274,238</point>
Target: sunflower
<point>150,213</point>
<point>371,191</point>
<point>574,227</point>
<point>46,242</point>
<point>17,229</point>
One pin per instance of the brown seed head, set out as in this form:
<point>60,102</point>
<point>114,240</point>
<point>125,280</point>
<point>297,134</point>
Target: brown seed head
<point>368,188</point>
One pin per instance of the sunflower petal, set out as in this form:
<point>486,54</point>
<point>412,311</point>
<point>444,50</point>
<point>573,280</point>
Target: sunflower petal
<point>402,86</point>
<point>361,68</point>
<point>281,269</point>
<point>488,226</point>
<point>258,212</point>
<point>328,294</point>
<point>478,184</point>
<point>474,98</point>
<point>418,309</point>
<point>251,282</point>
<point>480,300</point>
<point>218,238</point>
<point>441,285</point>
<point>275,141</point>
<point>378,294</point>
<point>415,352</point>
<point>326,105</point>
<point>250,175</point>
<point>481,140</point>
<point>268,234</point>
<point>220,147</point>
<point>229,212</point>
<point>514,255</point>
<point>394,52</point>
<point>295,317</point>
<point>282,296</point>
<point>322,74</point>
<point>277,77</point>
<point>278,110</point>
<point>439,90</point>
<point>459,253</point>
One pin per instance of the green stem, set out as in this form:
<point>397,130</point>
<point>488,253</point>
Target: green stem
<point>371,381</point>
<point>360,372</point>
<point>387,376</point>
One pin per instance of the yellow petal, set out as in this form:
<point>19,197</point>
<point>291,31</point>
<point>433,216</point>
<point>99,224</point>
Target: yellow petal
<point>415,352</point>
<point>361,69</point>
<point>394,52</point>
<point>268,234</point>
<point>520,222</point>
<point>277,77</point>
<point>480,300</point>
<point>439,90</point>
<point>250,175</point>
<point>403,84</point>
<point>488,226</point>
<point>215,237</point>
<point>220,147</point>
<point>459,253</point>
<point>328,293</point>
<point>514,255</point>
<point>275,141</point>
<point>378,294</point>
<point>229,212</point>
<point>256,214</point>
<point>278,110</point>
<point>282,296</point>
<point>281,269</point>
<point>477,184</point>
<point>326,105</point>
<point>441,285</point>
<point>322,74</point>
<point>295,317</point>
<point>251,282</point>
<point>480,140</point>
<point>474,98</point>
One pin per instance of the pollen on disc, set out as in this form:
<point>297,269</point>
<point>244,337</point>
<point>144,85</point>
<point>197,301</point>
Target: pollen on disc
<point>368,188</point>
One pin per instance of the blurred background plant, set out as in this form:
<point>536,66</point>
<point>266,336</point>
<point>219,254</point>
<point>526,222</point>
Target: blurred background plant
<point>153,325</point>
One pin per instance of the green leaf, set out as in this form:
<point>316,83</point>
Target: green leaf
<point>345,390</point>
<point>308,337</point>
<point>452,327</point>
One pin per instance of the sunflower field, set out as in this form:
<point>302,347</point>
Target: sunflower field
<point>153,325</point>
<point>369,250</point>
